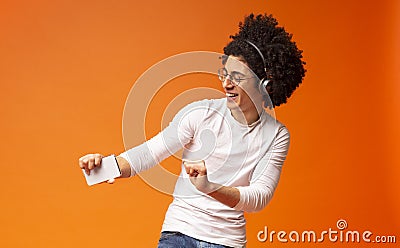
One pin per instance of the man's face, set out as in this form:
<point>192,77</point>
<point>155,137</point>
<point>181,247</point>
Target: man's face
<point>244,95</point>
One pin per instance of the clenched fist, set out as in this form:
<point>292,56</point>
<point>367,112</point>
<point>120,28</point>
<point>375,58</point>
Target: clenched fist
<point>197,172</point>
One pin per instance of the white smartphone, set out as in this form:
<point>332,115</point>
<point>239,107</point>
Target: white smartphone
<point>108,169</point>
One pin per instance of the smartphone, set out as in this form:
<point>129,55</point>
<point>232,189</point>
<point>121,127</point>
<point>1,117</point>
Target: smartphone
<point>107,170</point>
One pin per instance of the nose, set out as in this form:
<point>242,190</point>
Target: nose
<point>227,83</point>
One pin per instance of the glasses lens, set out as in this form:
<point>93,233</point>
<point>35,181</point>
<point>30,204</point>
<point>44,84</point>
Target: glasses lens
<point>222,74</point>
<point>236,79</point>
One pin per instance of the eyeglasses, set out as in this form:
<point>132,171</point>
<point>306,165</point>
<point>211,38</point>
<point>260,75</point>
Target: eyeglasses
<point>235,78</point>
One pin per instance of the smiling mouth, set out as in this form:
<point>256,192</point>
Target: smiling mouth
<point>231,95</point>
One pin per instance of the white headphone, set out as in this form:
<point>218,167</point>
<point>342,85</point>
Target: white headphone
<point>264,81</point>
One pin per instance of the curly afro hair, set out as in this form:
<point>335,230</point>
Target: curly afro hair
<point>283,60</point>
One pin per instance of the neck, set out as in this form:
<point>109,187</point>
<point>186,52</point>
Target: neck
<point>247,116</point>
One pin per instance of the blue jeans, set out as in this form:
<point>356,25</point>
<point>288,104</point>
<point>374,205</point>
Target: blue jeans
<point>179,240</point>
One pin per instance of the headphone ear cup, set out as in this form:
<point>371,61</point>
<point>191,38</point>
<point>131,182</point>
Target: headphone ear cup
<point>263,86</point>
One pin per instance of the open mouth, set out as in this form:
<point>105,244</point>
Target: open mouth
<point>231,95</point>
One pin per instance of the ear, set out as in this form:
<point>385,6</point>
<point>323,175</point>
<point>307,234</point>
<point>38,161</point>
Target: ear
<point>265,86</point>
<point>269,88</point>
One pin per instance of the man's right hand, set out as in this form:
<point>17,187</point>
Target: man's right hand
<point>90,161</point>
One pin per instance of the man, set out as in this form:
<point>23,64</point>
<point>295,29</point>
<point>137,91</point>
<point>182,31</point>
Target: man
<point>233,150</point>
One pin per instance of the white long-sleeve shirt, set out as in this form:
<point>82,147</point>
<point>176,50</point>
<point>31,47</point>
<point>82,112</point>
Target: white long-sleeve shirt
<point>249,158</point>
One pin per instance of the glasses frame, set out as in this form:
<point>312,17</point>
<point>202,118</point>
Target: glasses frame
<point>232,79</point>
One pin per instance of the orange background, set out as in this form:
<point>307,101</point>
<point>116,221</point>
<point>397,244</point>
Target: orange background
<point>66,68</point>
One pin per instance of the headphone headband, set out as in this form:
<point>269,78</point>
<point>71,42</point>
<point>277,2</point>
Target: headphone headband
<point>264,81</point>
<point>259,52</point>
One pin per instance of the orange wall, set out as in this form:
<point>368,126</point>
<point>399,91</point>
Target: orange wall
<point>66,68</point>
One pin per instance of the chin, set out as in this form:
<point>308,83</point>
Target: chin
<point>231,104</point>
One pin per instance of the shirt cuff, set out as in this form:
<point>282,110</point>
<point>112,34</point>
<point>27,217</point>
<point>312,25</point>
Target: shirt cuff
<point>240,205</point>
<point>126,157</point>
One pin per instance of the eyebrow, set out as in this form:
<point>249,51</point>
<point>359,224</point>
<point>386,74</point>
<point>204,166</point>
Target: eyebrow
<point>239,73</point>
<point>235,72</point>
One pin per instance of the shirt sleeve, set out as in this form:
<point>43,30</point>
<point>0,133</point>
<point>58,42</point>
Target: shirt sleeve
<point>265,176</point>
<point>179,132</point>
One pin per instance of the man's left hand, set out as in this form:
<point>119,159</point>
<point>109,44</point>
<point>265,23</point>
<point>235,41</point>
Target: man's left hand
<point>197,172</point>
